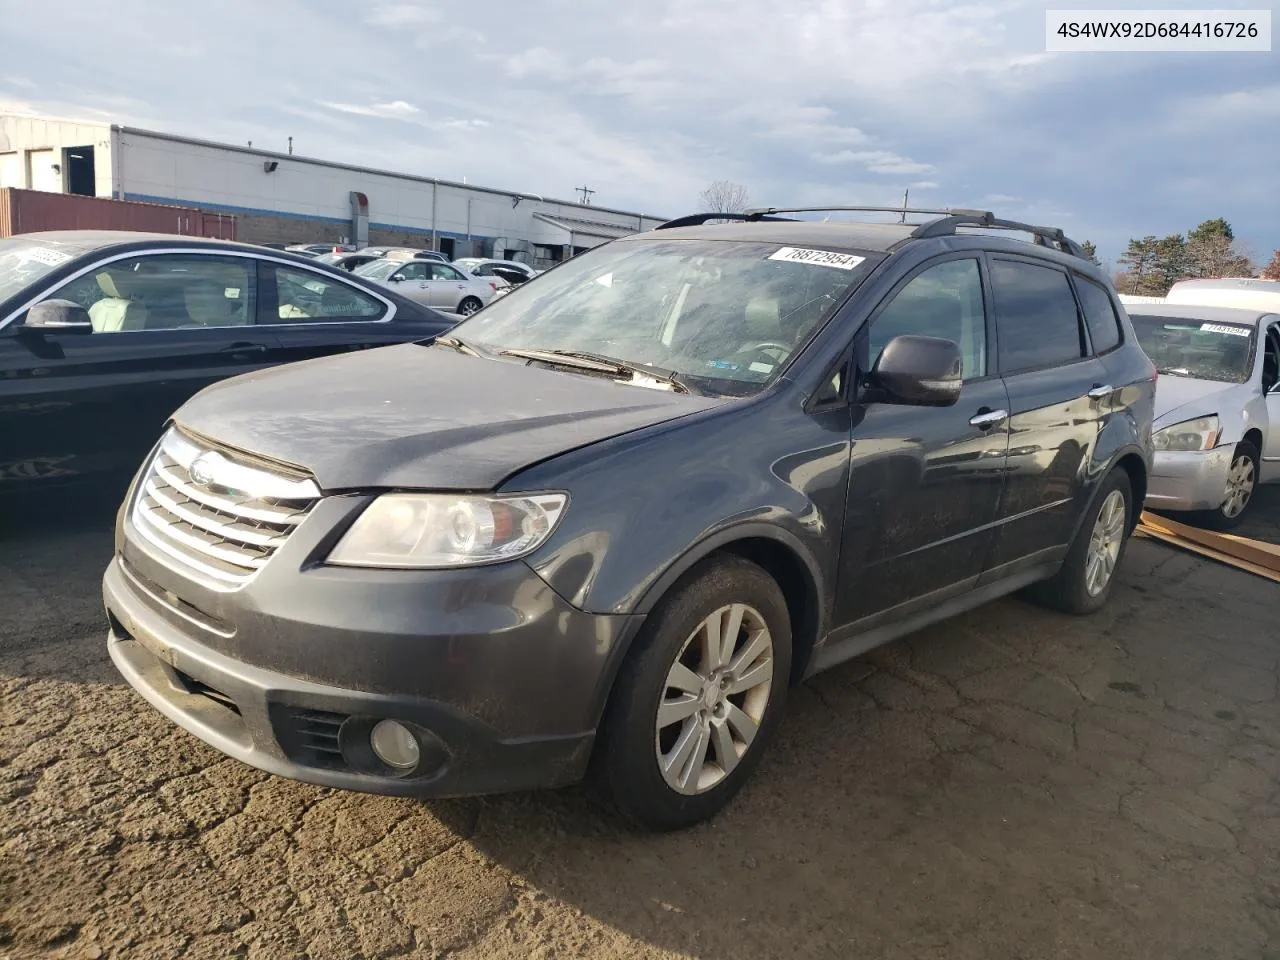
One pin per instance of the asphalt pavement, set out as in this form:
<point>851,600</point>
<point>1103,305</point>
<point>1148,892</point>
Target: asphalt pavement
<point>1010,783</point>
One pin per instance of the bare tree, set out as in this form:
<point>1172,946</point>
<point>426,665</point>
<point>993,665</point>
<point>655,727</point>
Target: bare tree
<point>1272,271</point>
<point>722,196</point>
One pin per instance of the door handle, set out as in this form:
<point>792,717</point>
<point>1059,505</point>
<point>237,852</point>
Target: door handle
<point>243,349</point>
<point>985,419</point>
<point>1100,391</point>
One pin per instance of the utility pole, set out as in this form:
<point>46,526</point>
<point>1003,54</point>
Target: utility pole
<point>291,146</point>
<point>586,193</point>
<point>905,193</point>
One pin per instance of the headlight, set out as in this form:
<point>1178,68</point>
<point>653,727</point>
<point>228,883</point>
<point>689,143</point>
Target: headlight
<point>448,530</point>
<point>1199,434</point>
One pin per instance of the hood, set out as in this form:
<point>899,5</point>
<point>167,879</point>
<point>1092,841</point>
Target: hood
<point>1183,398</point>
<point>424,417</point>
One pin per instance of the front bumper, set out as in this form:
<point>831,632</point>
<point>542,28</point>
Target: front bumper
<point>502,680</point>
<point>1189,480</point>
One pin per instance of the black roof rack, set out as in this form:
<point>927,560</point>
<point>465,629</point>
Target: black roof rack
<point>698,219</point>
<point>945,226</point>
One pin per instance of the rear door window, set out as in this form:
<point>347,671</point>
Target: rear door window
<point>1037,320</point>
<point>303,296</point>
<point>1099,315</point>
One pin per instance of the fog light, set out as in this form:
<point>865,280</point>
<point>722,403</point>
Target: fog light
<point>394,744</point>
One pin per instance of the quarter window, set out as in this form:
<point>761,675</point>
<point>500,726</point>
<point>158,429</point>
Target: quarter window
<point>944,301</point>
<point>1099,315</point>
<point>166,292</point>
<point>302,296</point>
<point>1036,316</point>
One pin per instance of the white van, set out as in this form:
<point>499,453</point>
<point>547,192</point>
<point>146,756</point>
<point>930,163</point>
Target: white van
<point>1240,292</point>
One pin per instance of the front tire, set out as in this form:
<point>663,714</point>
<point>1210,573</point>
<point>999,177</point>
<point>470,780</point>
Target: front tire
<point>1086,577</point>
<point>698,697</point>
<point>1242,480</point>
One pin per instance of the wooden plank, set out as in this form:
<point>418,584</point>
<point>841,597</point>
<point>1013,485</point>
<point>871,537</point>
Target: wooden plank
<point>1254,551</point>
<point>1252,556</point>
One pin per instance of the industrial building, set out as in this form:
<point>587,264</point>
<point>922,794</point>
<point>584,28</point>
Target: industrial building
<point>284,198</point>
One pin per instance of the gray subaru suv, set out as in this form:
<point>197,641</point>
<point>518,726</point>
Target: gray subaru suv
<point>600,528</point>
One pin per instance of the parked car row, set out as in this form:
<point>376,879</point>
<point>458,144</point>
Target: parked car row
<point>858,429</point>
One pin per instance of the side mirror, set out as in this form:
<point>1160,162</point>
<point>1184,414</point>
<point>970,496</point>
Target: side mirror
<point>397,278</point>
<point>920,371</point>
<point>58,316</point>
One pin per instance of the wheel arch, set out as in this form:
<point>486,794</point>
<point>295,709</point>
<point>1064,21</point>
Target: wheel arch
<point>779,553</point>
<point>1131,462</point>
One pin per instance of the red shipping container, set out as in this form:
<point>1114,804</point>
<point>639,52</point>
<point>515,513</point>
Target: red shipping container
<point>30,211</point>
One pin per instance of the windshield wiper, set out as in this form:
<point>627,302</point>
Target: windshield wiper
<point>597,361</point>
<point>445,340</point>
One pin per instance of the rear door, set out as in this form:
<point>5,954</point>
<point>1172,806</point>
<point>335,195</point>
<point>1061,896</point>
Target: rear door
<point>448,286</point>
<point>924,482</point>
<point>165,326</point>
<point>1058,394</point>
<point>312,314</point>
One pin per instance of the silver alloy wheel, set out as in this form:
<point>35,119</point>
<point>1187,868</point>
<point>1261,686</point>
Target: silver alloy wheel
<point>1240,481</point>
<point>715,697</point>
<point>1104,543</point>
<point>468,306</point>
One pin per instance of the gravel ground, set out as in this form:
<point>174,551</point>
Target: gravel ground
<point>1011,783</point>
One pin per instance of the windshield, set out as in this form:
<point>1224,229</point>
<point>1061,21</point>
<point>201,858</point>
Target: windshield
<point>1200,349</point>
<point>26,262</point>
<point>378,269</point>
<point>722,315</point>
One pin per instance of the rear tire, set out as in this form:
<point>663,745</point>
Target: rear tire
<point>720,700</point>
<point>1242,482</point>
<point>469,305</point>
<point>1086,577</point>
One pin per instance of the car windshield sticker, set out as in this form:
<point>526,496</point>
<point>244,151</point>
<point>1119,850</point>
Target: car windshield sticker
<point>1224,328</point>
<point>761,367</point>
<point>50,258</point>
<point>822,258</point>
<point>723,364</point>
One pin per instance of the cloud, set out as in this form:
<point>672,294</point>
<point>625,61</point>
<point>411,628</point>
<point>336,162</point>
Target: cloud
<point>394,110</point>
<point>537,62</point>
<point>876,161</point>
<point>814,101</point>
<point>404,14</point>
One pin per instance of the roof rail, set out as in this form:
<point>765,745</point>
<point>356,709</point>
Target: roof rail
<point>949,220</point>
<point>1044,236</point>
<point>698,219</point>
<point>759,212</point>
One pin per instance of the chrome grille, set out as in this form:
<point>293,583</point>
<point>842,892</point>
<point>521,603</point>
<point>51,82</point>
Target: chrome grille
<point>222,515</point>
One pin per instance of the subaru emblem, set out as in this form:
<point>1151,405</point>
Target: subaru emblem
<point>201,470</point>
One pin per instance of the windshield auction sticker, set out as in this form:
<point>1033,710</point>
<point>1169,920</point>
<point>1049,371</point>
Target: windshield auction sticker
<point>1224,328</point>
<point>822,258</point>
<point>50,258</point>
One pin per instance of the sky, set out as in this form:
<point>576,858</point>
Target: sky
<point>647,101</point>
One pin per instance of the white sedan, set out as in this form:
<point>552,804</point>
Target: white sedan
<point>441,286</point>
